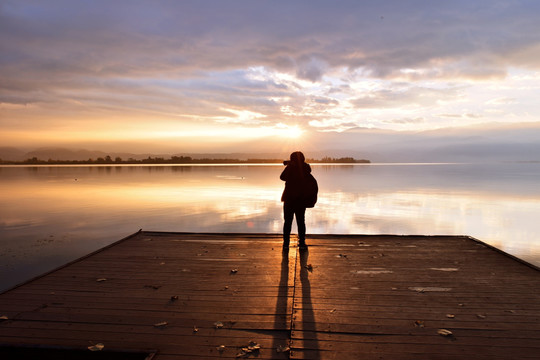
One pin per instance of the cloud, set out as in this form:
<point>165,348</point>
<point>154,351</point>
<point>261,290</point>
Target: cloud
<point>407,121</point>
<point>404,95</point>
<point>309,63</point>
<point>460,116</point>
<point>501,101</point>
<point>307,37</point>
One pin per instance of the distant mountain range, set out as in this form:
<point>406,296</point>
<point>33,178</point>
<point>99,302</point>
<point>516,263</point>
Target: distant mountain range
<point>496,142</point>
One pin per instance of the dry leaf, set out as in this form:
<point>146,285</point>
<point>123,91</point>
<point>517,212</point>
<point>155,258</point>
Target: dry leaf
<point>419,323</point>
<point>480,316</point>
<point>444,332</point>
<point>252,347</point>
<point>195,329</point>
<point>283,348</point>
<point>309,267</point>
<point>161,324</point>
<point>234,271</point>
<point>101,279</point>
<point>450,316</point>
<point>221,348</point>
<point>218,324</point>
<point>97,347</point>
<point>3,317</point>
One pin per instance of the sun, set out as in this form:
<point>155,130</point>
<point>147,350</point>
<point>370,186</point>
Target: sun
<point>292,132</point>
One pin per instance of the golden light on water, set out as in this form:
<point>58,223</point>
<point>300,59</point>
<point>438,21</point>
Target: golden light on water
<point>222,199</point>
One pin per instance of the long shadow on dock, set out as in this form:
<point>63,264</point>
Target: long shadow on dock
<point>282,321</point>
<point>304,302</point>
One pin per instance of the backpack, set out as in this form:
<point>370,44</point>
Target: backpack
<point>310,192</point>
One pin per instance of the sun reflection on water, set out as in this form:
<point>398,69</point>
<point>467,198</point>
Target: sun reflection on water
<point>62,213</point>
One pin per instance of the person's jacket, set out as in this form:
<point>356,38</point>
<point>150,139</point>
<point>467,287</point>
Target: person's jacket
<point>295,179</point>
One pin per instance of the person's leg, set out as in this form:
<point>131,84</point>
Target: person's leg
<point>300,213</point>
<point>288,214</point>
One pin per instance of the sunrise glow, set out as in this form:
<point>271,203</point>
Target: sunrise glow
<point>388,73</point>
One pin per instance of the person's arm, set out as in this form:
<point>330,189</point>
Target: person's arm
<point>285,174</point>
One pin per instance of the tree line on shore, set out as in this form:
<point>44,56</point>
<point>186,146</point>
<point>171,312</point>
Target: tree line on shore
<point>175,160</point>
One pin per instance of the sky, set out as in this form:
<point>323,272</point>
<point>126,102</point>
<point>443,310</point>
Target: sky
<point>184,76</point>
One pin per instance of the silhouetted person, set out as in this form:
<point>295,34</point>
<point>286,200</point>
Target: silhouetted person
<point>295,175</point>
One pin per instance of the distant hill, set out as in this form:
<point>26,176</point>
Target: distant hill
<point>12,154</point>
<point>54,153</point>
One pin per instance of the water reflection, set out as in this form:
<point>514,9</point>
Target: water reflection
<point>50,215</point>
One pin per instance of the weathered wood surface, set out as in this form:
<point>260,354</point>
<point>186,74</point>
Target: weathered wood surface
<point>386,297</point>
<point>347,297</point>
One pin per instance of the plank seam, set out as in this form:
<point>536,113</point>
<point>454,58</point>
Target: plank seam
<point>291,327</point>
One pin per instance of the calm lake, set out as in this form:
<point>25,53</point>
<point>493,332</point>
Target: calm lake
<point>50,215</point>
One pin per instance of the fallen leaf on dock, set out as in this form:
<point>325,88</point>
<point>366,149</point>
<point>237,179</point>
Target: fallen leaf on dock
<point>419,323</point>
<point>309,267</point>
<point>218,324</point>
<point>332,311</point>
<point>450,316</point>
<point>3,317</point>
<point>283,348</point>
<point>444,332</point>
<point>234,271</point>
<point>480,316</point>
<point>174,297</point>
<point>101,279</point>
<point>97,347</point>
<point>252,347</point>
<point>195,329</point>
<point>161,324</point>
<point>221,348</point>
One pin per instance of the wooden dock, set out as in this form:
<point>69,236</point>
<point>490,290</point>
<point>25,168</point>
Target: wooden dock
<point>203,296</point>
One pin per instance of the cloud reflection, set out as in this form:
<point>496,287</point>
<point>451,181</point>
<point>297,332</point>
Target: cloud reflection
<point>65,212</point>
